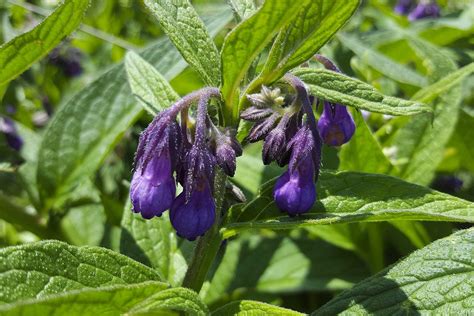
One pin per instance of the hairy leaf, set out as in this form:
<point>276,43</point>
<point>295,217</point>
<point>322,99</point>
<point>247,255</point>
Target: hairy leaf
<point>243,308</point>
<point>51,267</point>
<point>242,8</point>
<point>148,85</point>
<point>383,64</point>
<point>22,51</point>
<point>339,88</point>
<point>438,279</point>
<point>281,265</point>
<point>353,197</point>
<point>316,23</point>
<point>85,129</point>
<point>154,243</point>
<point>246,41</point>
<point>188,33</point>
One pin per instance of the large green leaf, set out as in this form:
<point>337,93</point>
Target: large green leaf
<point>353,197</point>
<point>339,88</point>
<point>148,85</point>
<point>383,64</point>
<point>154,243</point>
<point>276,265</point>
<point>52,267</point>
<point>246,41</point>
<point>132,299</point>
<point>420,143</point>
<point>188,33</point>
<point>85,129</point>
<point>438,279</point>
<point>242,8</point>
<point>316,23</point>
<point>22,51</point>
<point>244,308</point>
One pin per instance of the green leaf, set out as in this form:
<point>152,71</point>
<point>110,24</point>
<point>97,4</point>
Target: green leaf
<point>437,279</point>
<point>428,94</point>
<point>154,243</point>
<point>339,88</point>
<point>178,299</point>
<point>52,267</point>
<point>86,128</point>
<point>282,265</point>
<point>243,308</point>
<point>110,300</point>
<point>22,51</point>
<point>353,197</point>
<point>463,139</point>
<point>383,64</point>
<point>242,8</point>
<point>315,24</point>
<point>420,143</point>
<point>243,44</point>
<point>148,85</point>
<point>363,153</point>
<point>188,33</point>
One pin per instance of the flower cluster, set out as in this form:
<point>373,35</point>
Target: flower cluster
<point>424,9</point>
<point>167,148</point>
<point>291,136</point>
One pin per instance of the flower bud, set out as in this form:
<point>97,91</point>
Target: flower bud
<point>274,145</point>
<point>226,151</point>
<point>404,6</point>
<point>336,125</point>
<point>424,10</point>
<point>260,130</point>
<point>8,128</point>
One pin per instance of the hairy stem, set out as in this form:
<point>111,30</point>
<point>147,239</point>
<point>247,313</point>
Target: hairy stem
<point>208,245</point>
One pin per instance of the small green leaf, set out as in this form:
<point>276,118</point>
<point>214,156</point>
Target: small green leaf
<point>51,267</point>
<point>420,143</point>
<point>339,88</point>
<point>242,8</point>
<point>177,299</point>
<point>154,243</point>
<point>244,308</point>
<point>316,23</point>
<point>22,51</point>
<point>353,197</point>
<point>382,63</point>
<point>281,265</point>
<point>437,279</point>
<point>188,33</point>
<point>243,44</point>
<point>148,85</point>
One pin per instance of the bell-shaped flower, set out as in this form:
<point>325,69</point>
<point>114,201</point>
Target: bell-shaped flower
<point>336,125</point>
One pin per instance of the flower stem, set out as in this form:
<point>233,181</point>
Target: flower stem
<point>208,245</point>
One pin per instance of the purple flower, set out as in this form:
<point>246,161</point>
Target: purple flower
<point>425,10</point>
<point>227,148</point>
<point>153,187</point>
<point>336,125</point>
<point>194,218</point>
<point>295,191</point>
<point>404,6</point>
<point>8,128</point>
<point>274,146</point>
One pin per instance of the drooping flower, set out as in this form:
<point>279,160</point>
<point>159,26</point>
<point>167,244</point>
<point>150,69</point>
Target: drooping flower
<point>336,124</point>
<point>425,10</point>
<point>153,188</point>
<point>8,128</point>
<point>227,149</point>
<point>403,7</point>
<point>295,191</point>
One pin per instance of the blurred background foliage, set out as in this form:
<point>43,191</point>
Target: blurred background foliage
<point>300,269</point>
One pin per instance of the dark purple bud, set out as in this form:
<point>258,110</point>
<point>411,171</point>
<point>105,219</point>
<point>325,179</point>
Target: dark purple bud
<point>255,114</point>
<point>8,128</point>
<point>447,184</point>
<point>227,150</point>
<point>260,130</point>
<point>194,218</point>
<point>153,188</point>
<point>295,191</point>
<point>199,165</point>
<point>336,125</point>
<point>274,145</point>
<point>403,6</point>
<point>424,10</point>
